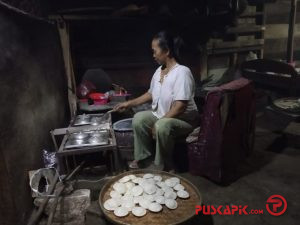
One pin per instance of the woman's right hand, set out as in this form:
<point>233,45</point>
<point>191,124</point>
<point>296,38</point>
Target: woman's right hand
<point>122,106</point>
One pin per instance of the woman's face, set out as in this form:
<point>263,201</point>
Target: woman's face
<point>159,55</point>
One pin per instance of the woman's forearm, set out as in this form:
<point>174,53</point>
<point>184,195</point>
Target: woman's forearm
<point>177,109</point>
<point>140,100</point>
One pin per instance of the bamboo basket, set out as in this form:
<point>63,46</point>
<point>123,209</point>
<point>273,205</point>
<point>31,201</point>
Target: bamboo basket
<point>184,211</point>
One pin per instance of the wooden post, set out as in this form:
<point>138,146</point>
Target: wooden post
<point>292,21</point>
<point>63,29</point>
<point>233,59</point>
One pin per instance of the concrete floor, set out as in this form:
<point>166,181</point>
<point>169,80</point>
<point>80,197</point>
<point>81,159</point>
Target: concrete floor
<point>273,168</point>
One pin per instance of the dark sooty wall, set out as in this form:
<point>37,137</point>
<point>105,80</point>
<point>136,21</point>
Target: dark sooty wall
<point>33,101</point>
<point>122,47</point>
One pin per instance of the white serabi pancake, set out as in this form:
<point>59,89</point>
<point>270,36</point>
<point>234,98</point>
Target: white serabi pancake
<point>155,207</point>
<point>183,194</point>
<point>137,190</point>
<point>120,187</point>
<point>160,199</point>
<point>144,203</point>
<point>115,194</point>
<point>171,203</point>
<point>139,211</point>
<point>149,189</point>
<point>157,178</point>
<point>111,204</point>
<point>148,175</point>
<point>121,212</point>
<point>124,179</point>
<point>179,187</point>
<point>170,195</point>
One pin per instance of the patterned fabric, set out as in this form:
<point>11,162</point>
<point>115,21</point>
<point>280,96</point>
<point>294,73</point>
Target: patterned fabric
<point>224,140</point>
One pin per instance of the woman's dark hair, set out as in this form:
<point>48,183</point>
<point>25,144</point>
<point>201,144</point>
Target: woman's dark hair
<point>168,41</point>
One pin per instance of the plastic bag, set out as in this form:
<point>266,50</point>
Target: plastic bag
<point>85,88</point>
<point>49,159</point>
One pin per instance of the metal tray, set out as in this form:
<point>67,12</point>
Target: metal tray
<point>87,139</point>
<point>89,119</point>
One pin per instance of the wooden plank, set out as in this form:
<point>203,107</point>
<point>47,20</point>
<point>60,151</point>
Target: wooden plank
<point>235,44</point>
<point>245,29</point>
<point>246,21</point>
<point>281,55</point>
<point>128,18</point>
<point>132,65</point>
<point>279,6</point>
<point>251,14</point>
<point>86,9</point>
<point>232,50</point>
<point>279,18</point>
<point>278,12</point>
<point>21,12</point>
<point>280,45</point>
<point>65,43</point>
<point>275,31</point>
<point>85,17</point>
<point>291,34</point>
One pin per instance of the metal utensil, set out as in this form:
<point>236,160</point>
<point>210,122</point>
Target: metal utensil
<point>98,120</point>
<point>105,116</point>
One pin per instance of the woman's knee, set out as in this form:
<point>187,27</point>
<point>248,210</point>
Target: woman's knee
<point>163,126</point>
<point>139,119</point>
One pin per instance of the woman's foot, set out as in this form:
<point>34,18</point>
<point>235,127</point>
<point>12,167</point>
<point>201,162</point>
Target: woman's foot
<point>137,164</point>
<point>134,164</point>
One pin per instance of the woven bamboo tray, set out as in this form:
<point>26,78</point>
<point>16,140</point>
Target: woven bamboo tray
<point>184,211</point>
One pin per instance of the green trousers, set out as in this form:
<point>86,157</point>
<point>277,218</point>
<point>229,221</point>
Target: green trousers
<point>167,130</point>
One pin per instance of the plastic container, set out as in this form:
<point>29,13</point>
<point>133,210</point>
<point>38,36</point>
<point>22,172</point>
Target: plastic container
<point>99,98</point>
<point>124,137</point>
<point>119,97</point>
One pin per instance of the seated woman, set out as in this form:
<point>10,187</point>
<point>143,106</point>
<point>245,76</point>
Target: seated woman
<point>174,113</point>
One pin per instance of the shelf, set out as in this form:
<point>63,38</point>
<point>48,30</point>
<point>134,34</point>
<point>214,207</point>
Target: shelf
<point>245,29</point>
<point>234,50</point>
<point>83,17</point>
<point>249,14</point>
<point>234,44</point>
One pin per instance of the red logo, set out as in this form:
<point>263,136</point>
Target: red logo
<point>275,202</point>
